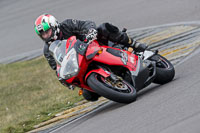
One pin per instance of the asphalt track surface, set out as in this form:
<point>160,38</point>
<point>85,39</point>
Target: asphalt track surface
<point>173,107</point>
<point>17,17</point>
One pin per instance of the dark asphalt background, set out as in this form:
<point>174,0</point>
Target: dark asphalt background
<point>174,107</point>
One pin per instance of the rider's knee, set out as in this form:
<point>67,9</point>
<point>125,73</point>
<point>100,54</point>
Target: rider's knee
<point>90,96</point>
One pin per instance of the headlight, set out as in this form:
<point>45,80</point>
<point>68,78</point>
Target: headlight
<point>69,65</point>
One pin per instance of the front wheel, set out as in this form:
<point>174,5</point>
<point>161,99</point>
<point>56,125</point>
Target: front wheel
<point>118,90</point>
<point>164,70</point>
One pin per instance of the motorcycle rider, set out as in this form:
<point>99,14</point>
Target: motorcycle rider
<point>49,29</point>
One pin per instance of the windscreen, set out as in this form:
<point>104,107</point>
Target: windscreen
<point>58,50</point>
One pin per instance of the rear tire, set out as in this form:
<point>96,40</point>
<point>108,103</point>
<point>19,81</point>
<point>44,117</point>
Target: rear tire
<point>99,84</point>
<point>164,70</point>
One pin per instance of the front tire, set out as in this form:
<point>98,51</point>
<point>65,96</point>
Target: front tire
<point>165,71</point>
<point>125,94</point>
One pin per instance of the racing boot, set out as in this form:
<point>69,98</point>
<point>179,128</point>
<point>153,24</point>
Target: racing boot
<point>138,47</point>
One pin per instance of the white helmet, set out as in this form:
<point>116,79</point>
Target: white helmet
<point>44,23</point>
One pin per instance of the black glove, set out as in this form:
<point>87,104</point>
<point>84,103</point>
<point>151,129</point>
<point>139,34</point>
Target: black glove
<point>90,36</point>
<point>138,47</point>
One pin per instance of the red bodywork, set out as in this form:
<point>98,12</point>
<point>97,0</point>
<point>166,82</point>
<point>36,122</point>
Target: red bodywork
<point>103,57</point>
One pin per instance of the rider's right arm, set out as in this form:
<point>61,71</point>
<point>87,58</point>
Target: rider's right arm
<point>49,57</point>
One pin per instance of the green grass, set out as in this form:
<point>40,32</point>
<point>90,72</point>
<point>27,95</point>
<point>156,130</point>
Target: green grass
<point>30,94</point>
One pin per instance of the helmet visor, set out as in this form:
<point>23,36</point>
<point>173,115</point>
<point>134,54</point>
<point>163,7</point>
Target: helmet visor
<point>42,28</point>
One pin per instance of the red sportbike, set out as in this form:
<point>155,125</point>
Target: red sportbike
<point>110,72</point>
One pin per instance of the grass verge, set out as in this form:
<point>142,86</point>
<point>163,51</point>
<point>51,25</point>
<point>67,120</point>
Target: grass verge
<point>30,94</point>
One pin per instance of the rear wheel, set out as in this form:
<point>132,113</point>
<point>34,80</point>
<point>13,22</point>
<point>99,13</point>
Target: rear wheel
<point>164,70</point>
<point>118,90</point>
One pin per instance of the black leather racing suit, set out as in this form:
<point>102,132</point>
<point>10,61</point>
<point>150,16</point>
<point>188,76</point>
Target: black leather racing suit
<point>70,27</point>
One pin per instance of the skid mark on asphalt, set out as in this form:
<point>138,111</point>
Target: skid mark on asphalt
<point>165,34</point>
<point>174,42</point>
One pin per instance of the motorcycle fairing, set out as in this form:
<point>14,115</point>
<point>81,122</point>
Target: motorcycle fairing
<point>70,43</point>
<point>111,56</point>
<point>100,71</point>
<point>147,54</point>
<point>142,76</point>
<point>92,50</point>
<point>83,68</point>
<point>123,58</point>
